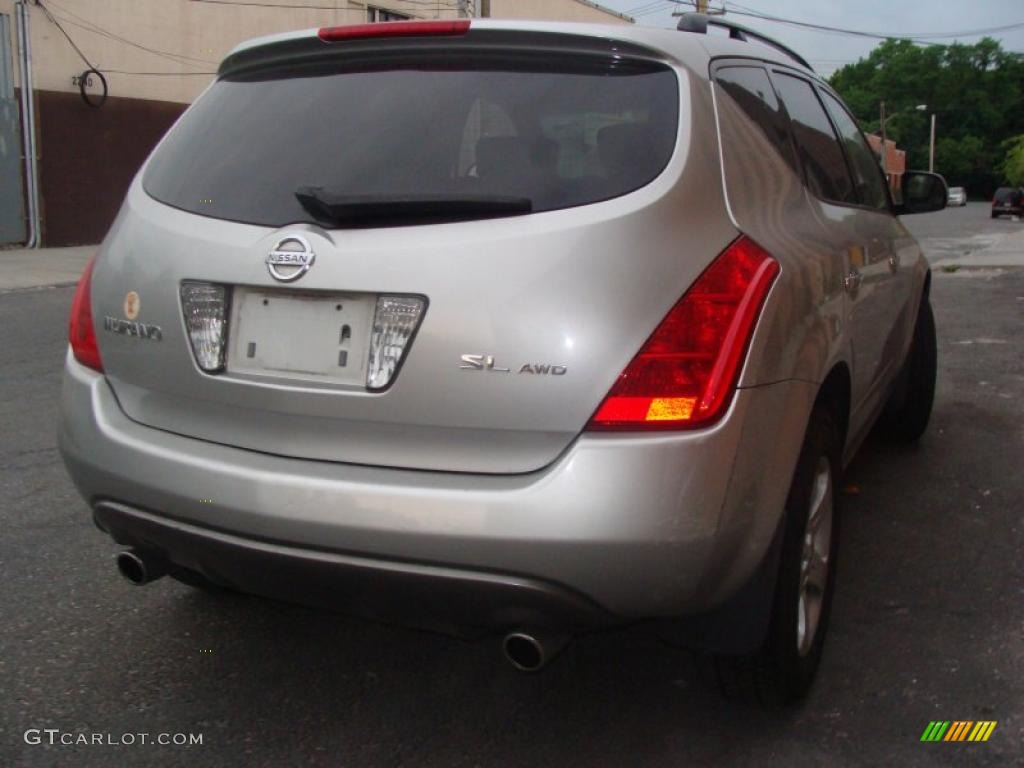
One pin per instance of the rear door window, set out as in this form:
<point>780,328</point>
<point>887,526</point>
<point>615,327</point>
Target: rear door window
<point>752,91</point>
<point>817,144</point>
<point>549,130</point>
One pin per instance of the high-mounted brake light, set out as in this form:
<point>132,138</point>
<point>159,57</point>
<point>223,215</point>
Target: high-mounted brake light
<point>81,333</point>
<point>685,374</point>
<point>395,29</point>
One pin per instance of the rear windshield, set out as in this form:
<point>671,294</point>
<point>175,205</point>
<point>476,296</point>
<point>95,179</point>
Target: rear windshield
<point>1007,193</point>
<point>547,135</point>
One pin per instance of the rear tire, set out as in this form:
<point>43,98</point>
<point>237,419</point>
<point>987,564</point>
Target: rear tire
<point>906,415</point>
<point>782,671</point>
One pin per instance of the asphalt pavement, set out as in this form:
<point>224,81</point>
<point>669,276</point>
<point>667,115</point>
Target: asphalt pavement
<point>928,621</point>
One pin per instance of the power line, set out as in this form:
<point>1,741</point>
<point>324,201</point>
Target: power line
<point>924,37</point>
<point>90,26</point>
<point>66,35</point>
<point>188,61</point>
<point>647,7</point>
<point>297,7</point>
<point>427,4</point>
<point>275,5</point>
<point>155,74</point>
<point>877,35</point>
<point>650,11</point>
<point>89,64</point>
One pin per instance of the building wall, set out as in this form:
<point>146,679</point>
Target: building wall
<point>158,56</point>
<point>556,10</point>
<point>895,160</point>
<point>186,38</point>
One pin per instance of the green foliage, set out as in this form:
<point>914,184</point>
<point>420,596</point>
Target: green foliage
<point>976,92</point>
<point>1013,164</point>
<point>964,158</point>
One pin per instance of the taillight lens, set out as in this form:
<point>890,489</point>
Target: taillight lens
<point>81,332</point>
<point>394,324</point>
<point>685,375</point>
<point>205,306</point>
<point>394,29</point>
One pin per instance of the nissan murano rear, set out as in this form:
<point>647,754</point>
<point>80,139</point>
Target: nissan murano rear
<point>510,329</point>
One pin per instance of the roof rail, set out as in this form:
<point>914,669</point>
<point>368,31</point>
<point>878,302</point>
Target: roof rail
<point>699,22</point>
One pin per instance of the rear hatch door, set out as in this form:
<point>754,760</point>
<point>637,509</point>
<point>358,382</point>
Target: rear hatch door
<point>513,189</point>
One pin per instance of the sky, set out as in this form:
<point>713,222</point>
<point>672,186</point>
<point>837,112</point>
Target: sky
<point>828,52</point>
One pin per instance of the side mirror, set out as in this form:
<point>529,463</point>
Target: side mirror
<point>923,192</point>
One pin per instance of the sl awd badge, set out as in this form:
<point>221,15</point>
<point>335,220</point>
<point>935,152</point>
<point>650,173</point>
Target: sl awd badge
<point>486,363</point>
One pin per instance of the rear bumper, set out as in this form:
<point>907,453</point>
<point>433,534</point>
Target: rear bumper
<point>618,528</point>
<point>436,597</point>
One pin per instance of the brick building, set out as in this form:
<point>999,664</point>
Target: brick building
<point>895,160</point>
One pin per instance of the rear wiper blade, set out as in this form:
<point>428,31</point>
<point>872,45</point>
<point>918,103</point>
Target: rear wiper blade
<point>349,209</point>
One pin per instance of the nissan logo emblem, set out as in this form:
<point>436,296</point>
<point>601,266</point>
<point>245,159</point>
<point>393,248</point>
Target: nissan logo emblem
<point>291,258</point>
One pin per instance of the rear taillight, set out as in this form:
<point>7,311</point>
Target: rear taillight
<point>394,325</point>
<point>685,375</point>
<point>205,306</point>
<point>81,332</point>
<point>394,29</point>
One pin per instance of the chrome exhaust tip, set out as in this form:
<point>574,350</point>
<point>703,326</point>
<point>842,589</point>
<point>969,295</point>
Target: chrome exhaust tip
<point>140,568</point>
<point>532,651</point>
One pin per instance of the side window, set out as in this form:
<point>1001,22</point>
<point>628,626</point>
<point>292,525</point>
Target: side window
<point>816,141</point>
<point>752,91</point>
<point>866,170</point>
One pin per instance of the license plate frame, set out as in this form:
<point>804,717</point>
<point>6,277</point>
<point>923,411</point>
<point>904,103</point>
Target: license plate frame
<point>303,336</point>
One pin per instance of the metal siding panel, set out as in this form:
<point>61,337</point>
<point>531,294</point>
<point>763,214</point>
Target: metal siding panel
<point>12,198</point>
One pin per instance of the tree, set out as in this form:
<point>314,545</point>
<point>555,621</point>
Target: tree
<point>1013,164</point>
<point>965,158</point>
<point>976,92</point>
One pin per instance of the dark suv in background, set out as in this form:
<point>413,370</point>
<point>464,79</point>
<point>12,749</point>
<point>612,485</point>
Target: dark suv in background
<point>1008,200</point>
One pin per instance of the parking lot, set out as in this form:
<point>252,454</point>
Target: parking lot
<point>928,621</point>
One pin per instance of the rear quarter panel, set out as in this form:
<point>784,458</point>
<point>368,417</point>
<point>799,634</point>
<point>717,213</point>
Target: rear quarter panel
<point>800,333</point>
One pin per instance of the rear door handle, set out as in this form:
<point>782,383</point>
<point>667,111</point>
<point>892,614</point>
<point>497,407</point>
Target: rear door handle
<point>894,261</point>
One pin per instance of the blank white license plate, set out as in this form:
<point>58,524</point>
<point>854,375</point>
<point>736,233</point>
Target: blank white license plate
<point>300,335</point>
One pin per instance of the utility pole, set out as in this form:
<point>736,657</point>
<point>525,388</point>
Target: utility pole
<point>881,124</point>
<point>28,123</point>
<point>931,148</point>
<point>700,6</point>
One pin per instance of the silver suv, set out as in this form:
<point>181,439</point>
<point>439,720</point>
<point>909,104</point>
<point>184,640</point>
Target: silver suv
<point>517,328</point>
